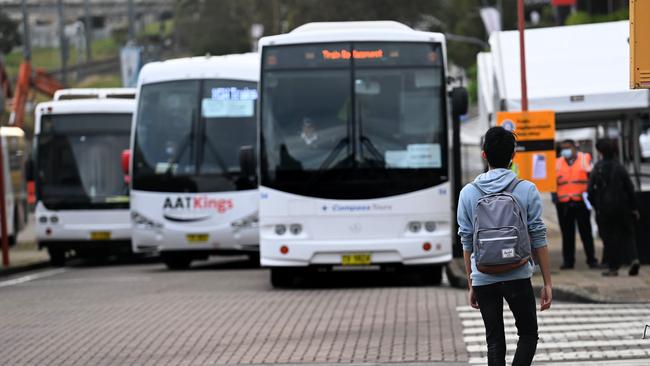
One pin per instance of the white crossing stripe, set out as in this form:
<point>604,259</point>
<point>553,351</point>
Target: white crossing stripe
<point>571,332</point>
<point>31,277</point>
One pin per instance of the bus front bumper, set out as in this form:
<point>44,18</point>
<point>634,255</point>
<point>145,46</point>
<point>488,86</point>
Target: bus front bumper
<point>406,251</point>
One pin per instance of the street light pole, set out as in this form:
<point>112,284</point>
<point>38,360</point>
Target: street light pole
<point>131,11</point>
<point>27,41</point>
<point>522,54</point>
<point>62,42</point>
<point>88,30</point>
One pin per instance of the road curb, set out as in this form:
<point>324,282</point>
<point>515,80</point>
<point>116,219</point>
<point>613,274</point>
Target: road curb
<point>456,276</point>
<point>24,268</point>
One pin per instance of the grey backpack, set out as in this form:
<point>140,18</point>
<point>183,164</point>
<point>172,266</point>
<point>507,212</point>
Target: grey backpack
<point>501,240</point>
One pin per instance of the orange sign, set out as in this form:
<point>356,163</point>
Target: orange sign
<point>535,154</point>
<point>356,54</point>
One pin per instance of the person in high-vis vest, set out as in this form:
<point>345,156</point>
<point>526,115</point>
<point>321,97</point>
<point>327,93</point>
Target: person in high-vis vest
<point>573,168</point>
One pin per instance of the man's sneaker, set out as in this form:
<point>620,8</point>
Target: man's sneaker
<point>634,268</point>
<point>593,265</point>
<point>566,266</point>
<point>610,273</point>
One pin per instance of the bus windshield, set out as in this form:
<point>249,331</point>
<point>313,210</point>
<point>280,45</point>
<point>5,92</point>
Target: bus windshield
<point>189,135</point>
<point>353,120</point>
<point>78,160</point>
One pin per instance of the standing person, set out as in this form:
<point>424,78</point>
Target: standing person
<point>487,290</point>
<point>573,168</point>
<point>612,194</point>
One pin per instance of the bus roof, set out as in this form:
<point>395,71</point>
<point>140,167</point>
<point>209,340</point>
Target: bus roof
<point>243,66</point>
<point>12,131</point>
<point>383,30</point>
<point>83,106</point>
<point>94,93</point>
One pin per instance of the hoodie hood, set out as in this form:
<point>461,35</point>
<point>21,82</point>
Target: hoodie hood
<point>495,180</point>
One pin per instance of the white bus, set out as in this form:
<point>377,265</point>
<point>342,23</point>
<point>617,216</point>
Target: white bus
<point>82,199</point>
<point>10,197</point>
<point>355,150</point>
<point>194,185</point>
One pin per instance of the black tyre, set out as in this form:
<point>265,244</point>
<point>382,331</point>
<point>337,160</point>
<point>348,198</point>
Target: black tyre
<point>176,262</point>
<point>57,256</point>
<point>281,277</point>
<point>254,258</point>
<point>432,275</point>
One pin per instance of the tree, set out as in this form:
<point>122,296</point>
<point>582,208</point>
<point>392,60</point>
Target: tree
<point>9,36</point>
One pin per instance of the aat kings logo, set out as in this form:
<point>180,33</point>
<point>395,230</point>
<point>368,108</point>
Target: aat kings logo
<point>198,203</point>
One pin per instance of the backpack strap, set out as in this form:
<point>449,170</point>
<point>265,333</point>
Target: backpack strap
<point>511,187</point>
<point>482,192</point>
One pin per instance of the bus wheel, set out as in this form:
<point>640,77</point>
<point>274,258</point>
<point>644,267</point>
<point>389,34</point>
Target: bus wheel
<point>432,275</point>
<point>175,262</point>
<point>281,277</point>
<point>57,256</point>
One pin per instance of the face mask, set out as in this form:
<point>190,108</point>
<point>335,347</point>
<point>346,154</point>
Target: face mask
<point>566,153</point>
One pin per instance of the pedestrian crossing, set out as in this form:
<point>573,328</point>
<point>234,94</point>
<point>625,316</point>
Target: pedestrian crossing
<point>570,333</point>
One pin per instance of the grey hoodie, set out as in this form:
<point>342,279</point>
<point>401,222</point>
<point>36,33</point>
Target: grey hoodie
<point>494,181</point>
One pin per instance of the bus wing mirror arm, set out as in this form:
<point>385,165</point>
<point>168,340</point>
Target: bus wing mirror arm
<point>247,162</point>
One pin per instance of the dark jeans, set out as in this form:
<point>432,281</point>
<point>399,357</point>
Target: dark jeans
<point>569,214</point>
<point>521,300</point>
<point>619,239</point>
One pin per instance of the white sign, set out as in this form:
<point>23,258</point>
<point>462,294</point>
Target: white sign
<point>415,156</point>
<point>213,108</point>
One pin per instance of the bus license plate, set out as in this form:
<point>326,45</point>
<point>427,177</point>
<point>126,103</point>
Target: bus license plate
<point>100,235</point>
<point>356,259</point>
<point>197,238</point>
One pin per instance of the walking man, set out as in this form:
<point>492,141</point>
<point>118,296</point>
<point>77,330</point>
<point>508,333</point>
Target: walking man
<point>573,168</point>
<point>612,194</point>
<point>498,259</point>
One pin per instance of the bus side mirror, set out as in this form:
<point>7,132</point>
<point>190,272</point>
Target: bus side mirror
<point>247,161</point>
<point>459,101</point>
<point>126,162</point>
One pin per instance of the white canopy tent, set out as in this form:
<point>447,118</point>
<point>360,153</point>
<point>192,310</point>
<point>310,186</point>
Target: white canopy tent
<point>581,72</point>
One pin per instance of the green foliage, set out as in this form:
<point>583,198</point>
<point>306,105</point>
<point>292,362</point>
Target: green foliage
<point>472,84</point>
<point>9,36</point>
<point>581,17</point>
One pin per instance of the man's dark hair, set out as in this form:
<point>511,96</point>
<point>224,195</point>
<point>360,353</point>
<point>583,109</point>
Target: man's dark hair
<point>569,142</point>
<point>499,145</point>
<point>607,147</point>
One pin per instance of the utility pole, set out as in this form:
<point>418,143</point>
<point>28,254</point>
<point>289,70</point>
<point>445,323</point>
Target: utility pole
<point>63,44</point>
<point>88,30</point>
<point>131,11</point>
<point>522,54</point>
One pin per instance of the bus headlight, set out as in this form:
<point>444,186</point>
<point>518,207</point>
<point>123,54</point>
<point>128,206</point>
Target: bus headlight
<point>415,226</point>
<point>42,219</point>
<point>54,219</point>
<point>280,229</point>
<point>143,222</point>
<point>295,229</point>
<point>430,226</point>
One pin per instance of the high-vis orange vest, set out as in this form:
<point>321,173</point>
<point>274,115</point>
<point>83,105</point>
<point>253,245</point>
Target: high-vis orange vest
<point>572,180</point>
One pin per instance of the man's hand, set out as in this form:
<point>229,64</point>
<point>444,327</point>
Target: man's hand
<point>472,298</point>
<point>546,298</point>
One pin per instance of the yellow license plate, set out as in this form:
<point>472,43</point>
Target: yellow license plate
<point>100,235</point>
<point>197,238</point>
<point>356,259</point>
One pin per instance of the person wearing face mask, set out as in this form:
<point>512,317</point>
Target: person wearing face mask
<point>573,168</point>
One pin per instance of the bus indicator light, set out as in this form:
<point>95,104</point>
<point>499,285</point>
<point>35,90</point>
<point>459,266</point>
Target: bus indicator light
<point>426,246</point>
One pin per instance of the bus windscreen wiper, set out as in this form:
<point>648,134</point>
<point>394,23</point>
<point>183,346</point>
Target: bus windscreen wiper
<point>373,150</point>
<point>185,143</point>
<point>217,157</point>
